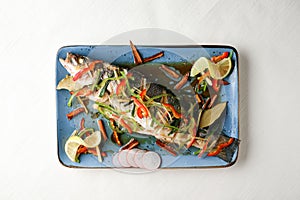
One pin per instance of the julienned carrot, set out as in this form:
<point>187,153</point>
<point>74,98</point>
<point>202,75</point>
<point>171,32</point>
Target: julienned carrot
<point>203,150</point>
<point>166,147</point>
<point>212,101</point>
<point>191,142</point>
<point>155,56</point>
<point>102,129</point>
<point>116,138</point>
<point>182,82</point>
<point>75,112</point>
<point>170,71</point>
<point>90,67</point>
<point>130,145</point>
<point>204,76</point>
<point>122,123</point>
<point>82,124</point>
<point>137,58</point>
<point>173,110</point>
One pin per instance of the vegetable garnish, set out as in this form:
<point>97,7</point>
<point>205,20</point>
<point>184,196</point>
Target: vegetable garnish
<point>136,54</point>
<point>102,129</point>
<point>216,59</point>
<point>155,56</point>
<point>141,106</point>
<point>173,110</point>
<point>166,147</point>
<point>90,67</point>
<point>220,147</point>
<point>75,112</point>
<point>169,71</point>
<point>182,82</point>
<point>134,103</point>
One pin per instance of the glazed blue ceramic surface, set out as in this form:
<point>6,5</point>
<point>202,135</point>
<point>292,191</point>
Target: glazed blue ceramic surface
<point>119,55</point>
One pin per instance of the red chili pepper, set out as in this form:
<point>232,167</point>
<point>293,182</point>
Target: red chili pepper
<point>123,123</point>
<point>90,67</point>
<point>143,94</point>
<point>75,112</point>
<point>139,113</point>
<point>82,149</point>
<point>82,124</point>
<point>215,85</point>
<point>220,57</point>
<point>173,110</point>
<point>140,105</point>
<point>220,147</point>
<point>166,147</point>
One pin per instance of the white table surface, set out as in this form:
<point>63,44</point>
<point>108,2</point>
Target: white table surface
<point>266,34</point>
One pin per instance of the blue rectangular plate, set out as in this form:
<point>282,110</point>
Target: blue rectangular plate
<point>120,55</point>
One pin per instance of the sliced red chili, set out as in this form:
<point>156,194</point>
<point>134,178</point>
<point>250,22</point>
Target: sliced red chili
<point>139,113</point>
<point>220,57</point>
<point>220,147</point>
<point>82,149</point>
<point>140,105</point>
<point>143,94</point>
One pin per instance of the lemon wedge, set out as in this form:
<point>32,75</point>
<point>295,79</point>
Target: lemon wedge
<point>221,69</point>
<point>75,141</point>
<point>200,65</point>
<point>217,70</point>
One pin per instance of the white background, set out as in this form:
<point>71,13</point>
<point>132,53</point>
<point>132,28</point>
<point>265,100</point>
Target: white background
<point>266,34</point>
